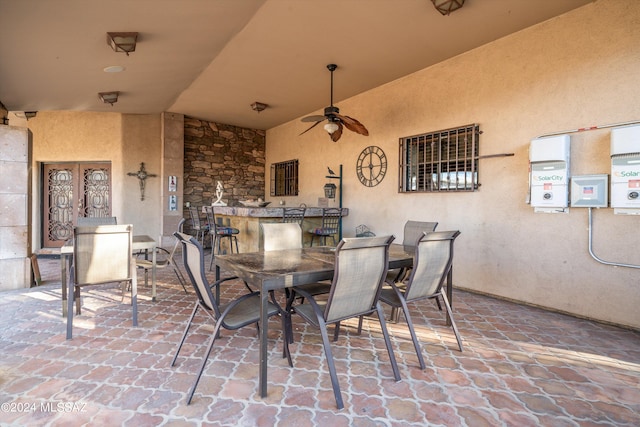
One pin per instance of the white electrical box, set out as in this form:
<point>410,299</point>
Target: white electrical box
<point>549,163</point>
<point>589,191</point>
<point>625,170</point>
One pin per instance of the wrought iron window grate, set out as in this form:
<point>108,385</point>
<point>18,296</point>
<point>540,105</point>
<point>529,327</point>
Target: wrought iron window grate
<point>284,178</point>
<point>441,161</point>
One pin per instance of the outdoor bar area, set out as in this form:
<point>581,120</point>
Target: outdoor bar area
<point>248,221</point>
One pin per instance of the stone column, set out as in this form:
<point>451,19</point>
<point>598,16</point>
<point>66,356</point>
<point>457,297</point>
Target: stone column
<point>172,165</point>
<point>15,207</point>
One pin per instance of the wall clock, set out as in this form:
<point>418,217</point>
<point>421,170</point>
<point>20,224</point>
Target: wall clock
<point>371,166</point>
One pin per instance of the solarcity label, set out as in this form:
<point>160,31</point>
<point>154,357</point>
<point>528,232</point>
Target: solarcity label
<point>627,174</point>
<point>544,176</point>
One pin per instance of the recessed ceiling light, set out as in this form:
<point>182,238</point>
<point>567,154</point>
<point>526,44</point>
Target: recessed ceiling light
<point>114,69</point>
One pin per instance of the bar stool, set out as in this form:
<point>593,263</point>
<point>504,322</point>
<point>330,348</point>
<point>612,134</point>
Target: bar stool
<point>198,228</point>
<point>330,225</point>
<point>219,232</point>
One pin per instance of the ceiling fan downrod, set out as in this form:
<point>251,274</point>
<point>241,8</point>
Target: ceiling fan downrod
<point>331,68</point>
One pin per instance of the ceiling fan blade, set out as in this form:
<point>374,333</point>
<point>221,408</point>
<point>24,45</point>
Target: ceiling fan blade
<point>313,119</point>
<point>311,127</point>
<point>335,136</point>
<point>353,125</point>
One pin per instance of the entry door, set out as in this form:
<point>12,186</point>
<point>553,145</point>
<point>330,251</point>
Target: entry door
<point>73,190</point>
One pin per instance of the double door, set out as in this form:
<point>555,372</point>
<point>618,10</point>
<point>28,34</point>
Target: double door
<point>72,190</point>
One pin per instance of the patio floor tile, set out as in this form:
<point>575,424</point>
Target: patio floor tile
<point>521,366</point>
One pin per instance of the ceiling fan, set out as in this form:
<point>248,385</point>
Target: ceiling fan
<point>335,120</point>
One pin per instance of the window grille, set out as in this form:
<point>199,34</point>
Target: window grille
<point>284,178</point>
<point>442,161</point>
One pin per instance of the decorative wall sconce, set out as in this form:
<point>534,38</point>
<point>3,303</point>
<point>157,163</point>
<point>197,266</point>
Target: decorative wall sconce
<point>258,106</point>
<point>330,190</point>
<point>122,42</point>
<point>445,7</point>
<point>109,97</point>
<point>330,193</point>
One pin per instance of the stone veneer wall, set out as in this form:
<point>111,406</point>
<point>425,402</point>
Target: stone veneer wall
<point>216,152</point>
<point>15,208</point>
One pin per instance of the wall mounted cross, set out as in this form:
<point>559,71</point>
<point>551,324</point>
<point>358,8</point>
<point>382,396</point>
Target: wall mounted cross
<point>142,176</point>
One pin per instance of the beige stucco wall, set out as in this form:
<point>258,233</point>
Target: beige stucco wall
<point>577,70</point>
<point>123,139</point>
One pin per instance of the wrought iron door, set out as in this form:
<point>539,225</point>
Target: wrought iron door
<point>73,190</point>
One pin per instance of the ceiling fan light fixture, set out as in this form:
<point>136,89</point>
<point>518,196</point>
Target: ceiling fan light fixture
<point>445,7</point>
<point>122,42</point>
<point>109,97</point>
<point>331,127</point>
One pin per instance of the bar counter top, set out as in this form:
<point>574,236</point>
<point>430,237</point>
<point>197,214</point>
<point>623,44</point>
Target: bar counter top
<point>247,220</point>
<point>266,212</point>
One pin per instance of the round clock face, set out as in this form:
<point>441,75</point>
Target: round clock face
<point>371,166</point>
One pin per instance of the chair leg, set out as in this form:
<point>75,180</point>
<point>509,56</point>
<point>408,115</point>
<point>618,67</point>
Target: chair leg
<point>70,297</point>
<point>180,277</point>
<point>286,330</point>
<point>216,331</point>
<point>331,364</point>
<point>414,337</point>
<point>213,255</point>
<point>184,335</point>
<point>134,294</point>
<point>76,293</point>
<point>387,341</point>
<point>453,324</point>
<point>336,332</point>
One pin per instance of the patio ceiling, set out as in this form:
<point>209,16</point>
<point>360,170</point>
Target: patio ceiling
<point>212,59</point>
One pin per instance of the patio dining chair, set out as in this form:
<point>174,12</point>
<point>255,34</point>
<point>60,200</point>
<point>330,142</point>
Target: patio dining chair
<point>295,215</point>
<point>413,231</point>
<point>199,228</point>
<point>432,262</point>
<point>101,254</point>
<point>360,269</point>
<point>240,312</point>
<point>219,232</point>
<point>164,259</point>
<point>282,236</point>
<point>330,225</point>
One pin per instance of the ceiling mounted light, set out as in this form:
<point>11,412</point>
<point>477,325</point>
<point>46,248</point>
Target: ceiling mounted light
<point>113,69</point>
<point>122,42</point>
<point>109,97</point>
<point>25,114</point>
<point>445,7</point>
<point>258,106</point>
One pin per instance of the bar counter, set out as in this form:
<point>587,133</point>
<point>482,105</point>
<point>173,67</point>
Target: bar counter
<point>248,220</point>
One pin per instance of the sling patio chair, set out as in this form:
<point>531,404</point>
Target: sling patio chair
<point>164,259</point>
<point>101,254</point>
<point>360,269</point>
<point>235,314</point>
<point>432,263</point>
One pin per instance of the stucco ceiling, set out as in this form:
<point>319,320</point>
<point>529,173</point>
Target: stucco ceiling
<point>211,59</point>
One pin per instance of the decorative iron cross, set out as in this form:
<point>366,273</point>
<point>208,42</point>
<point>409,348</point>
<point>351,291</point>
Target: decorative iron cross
<point>142,175</point>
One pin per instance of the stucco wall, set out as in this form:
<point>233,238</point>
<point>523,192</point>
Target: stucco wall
<point>124,140</point>
<point>577,70</point>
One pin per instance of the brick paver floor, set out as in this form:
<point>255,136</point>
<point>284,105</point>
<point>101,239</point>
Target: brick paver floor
<point>521,366</point>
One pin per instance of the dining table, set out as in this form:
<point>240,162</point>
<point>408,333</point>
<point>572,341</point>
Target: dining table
<point>271,270</point>
<point>138,243</point>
